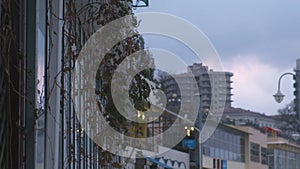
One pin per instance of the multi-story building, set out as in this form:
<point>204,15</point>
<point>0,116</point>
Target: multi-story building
<point>16,76</point>
<point>226,148</point>
<point>198,85</point>
<point>40,42</point>
<point>264,149</point>
<point>283,153</point>
<point>248,147</point>
<point>255,148</point>
<point>206,80</point>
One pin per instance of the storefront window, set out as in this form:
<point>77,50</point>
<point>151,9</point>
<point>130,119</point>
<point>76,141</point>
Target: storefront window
<point>254,152</point>
<point>291,160</point>
<point>225,145</point>
<point>264,159</point>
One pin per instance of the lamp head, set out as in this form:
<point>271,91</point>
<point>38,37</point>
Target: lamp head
<point>278,97</point>
<point>296,136</point>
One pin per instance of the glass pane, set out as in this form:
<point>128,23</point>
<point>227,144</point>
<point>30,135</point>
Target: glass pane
<point>40,93</point>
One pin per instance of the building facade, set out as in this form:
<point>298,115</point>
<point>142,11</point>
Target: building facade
<point>205,79</point>
<point>255,148</point>
<point>283,154</point>
<point>14,80</point>
<point>266,150</point>
<point>225,149</point>
<point>247,147</point>
<point>40,41</point>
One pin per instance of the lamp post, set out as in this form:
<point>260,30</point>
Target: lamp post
<point>189,130</point>
<point>279,96</point>
<point>197,152</point>
<point>198,125</point>
<point>174,100</point>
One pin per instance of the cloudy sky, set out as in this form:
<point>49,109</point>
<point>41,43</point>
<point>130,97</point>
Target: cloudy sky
<point>256,40</point>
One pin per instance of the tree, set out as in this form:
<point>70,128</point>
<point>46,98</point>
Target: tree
<point>288,120</point>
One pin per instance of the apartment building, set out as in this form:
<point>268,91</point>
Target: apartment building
<point>206,80</point>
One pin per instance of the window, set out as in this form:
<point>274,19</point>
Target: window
<point>280,159</point>
<point>254,150</point>
<point>291,160</point>
<point>40,95</point>
<point>264,159</point>
<point>225,145</point>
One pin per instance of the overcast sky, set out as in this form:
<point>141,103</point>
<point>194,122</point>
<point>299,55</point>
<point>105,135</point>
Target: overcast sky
<point>256,40</point>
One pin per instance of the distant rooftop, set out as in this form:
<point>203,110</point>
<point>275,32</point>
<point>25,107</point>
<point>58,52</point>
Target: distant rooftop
<point>233,110</point>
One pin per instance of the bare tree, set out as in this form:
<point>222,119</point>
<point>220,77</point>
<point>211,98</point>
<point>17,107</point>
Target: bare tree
<point>288,120</point>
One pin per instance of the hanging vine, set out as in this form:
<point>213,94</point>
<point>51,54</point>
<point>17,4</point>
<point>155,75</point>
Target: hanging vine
<point>82,19</point>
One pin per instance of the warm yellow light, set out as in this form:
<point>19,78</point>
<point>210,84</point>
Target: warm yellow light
<point>192,128</point>
<point>141,115</point>
<point>186,127</point>
<point>188,133</point>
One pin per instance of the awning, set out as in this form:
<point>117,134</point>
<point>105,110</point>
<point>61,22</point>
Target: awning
<point>271,129</point>
<point>159,163</point>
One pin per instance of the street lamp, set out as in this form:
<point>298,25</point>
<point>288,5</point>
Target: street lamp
<point>296,136</point>
<point>198,125</point>
<point>279,96</point>
<point>188,130</point>
<point>175,103</point>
